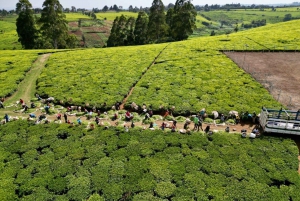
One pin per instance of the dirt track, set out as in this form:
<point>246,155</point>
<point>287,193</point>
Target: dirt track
<point>278,72</point>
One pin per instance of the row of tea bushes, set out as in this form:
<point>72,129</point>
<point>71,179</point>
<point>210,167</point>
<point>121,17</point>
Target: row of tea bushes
<point>55,162</point>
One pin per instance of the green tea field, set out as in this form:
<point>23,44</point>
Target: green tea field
<point>8,36</point>
<point>58,162</point>
<point>247,16</point>
<point>13,68</point>
<point>189,75</point>
<point>84,160</point>
<point>225,21</point>
<point>95,76</point>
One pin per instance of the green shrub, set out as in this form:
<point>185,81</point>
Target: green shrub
<point>8,189</point>
<point>180,118</point>
<point>113,191</point>
<point>146,196</point>
<point>230,121</point>
<point>147,183</point>
<point>58,185</point>
<point>95,197</point>
<point>78,187</point>
<point>208,120</point>
<point>165,189</point>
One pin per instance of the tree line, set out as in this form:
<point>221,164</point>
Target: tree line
<point>175,25</point>
<point>228,7</point>
<point>48,31</point>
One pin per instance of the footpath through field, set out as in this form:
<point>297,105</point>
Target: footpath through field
<point>26,88</point>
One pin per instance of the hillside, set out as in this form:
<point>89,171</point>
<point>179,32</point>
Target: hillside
<point>78,162</point>
<point>94,33</point>
<point>163,81</point>
<point>156,71</point>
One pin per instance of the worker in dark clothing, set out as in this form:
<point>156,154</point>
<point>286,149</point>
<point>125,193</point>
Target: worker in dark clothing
<point>66,117</point>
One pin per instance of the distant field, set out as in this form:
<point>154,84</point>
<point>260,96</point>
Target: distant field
<point>9,18</point>
<point>283,36</point>
<point>95,33</point>
<point>8,35</point>
<point>74,17</point>
<point>246,16</point>
<point>289,9</point>
<point>112,15</point>
<point>201,19</point>
<point>238,17</point>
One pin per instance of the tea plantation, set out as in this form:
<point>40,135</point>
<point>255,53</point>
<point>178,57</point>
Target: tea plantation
<point>13,68</point>
<point>95,76</point>
<point>57,162</point>
<point>8,36</point>
<point>194,80</point>
<point>194,71</point>
<point>247,16</point>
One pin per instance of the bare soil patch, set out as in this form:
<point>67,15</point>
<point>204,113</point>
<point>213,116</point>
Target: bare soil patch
<point>278,72</point>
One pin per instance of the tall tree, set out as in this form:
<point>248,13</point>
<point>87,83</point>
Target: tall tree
<point>122,32</point>
<point>118,32</point>
<point>184,20</point>
<point>157,26</point>
<point>136,9</point>
<point>105,8</point>
<point>112,39</point>
<point>26,28</point>
<point>73,9</point>
<point>170,16</point>
<point>116,8</point>
<point>130,9</point>
<point>4,12</point>
<point>54,25</point>
<point>140,30</point>
<point>130,26</point>
<point>170,5</point>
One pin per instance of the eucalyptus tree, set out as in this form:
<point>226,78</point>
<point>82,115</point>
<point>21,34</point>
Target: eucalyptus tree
<point>26,26</point>
<point>53,25</point>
